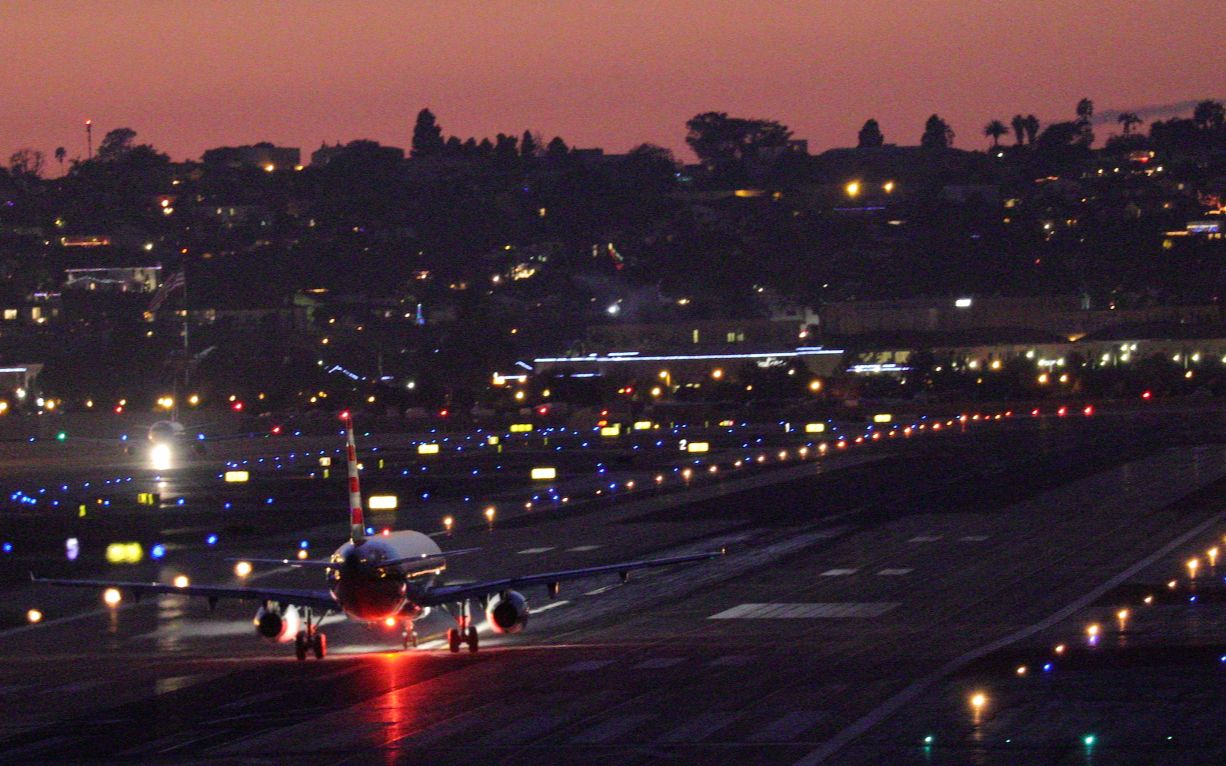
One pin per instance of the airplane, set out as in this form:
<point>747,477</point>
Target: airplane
<point>390,577</point>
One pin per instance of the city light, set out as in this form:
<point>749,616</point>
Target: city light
<point>112,597</point>
<point>852,188</point>
<point>34,616</point>
<point>242,569</point>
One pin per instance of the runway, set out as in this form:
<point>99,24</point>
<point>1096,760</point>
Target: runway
<point>865,595</point>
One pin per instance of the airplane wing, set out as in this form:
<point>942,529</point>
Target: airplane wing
<point>430,559</point>
<point>448,594</point>
<point>316,599</point>
<point>308,563</point>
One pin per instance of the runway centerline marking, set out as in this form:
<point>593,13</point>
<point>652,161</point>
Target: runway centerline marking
<point>531,551</point>
<point>582,548</point>
<point>838,572</point>
<point>806,611</point>
<point>895,572</point>
<point>925,538</point>
<point>972,538</point>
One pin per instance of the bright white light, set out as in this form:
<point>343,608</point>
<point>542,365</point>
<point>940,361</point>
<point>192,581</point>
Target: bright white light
<point>614,310</point>
<point>242,568</point>
<point>112,596</point>
<point>963,303</point>
<point>159,457</point>
<point>181,581</point>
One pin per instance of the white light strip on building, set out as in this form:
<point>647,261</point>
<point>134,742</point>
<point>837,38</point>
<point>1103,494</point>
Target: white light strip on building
<point>686,358</point>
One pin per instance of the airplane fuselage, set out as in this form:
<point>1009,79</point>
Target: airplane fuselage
<point>368,592</point>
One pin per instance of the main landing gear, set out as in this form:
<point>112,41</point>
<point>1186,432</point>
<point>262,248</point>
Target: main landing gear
<point>311,639</point>
<point>464,632</point>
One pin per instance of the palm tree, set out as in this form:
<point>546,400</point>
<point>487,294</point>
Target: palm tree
<point>1129,120</point>
<point>994,130</point>
<point>1031,124</point>
<point>1019,128</point>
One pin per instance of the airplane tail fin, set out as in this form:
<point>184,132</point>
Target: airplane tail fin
<point>357,526</point>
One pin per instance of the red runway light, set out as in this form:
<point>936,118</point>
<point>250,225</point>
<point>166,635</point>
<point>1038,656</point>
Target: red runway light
<point>1147,395</point>
<point>1089,410</point>
<point>1062,411</point>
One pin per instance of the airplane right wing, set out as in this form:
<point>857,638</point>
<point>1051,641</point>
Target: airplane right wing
<point>450,594</point>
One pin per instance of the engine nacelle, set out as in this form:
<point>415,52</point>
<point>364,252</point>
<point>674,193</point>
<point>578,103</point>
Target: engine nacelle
<point>507,612</point>
<point>277,624</point>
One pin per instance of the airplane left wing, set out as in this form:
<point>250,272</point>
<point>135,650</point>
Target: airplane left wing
<point>449,594</point>
<point>316,599</point>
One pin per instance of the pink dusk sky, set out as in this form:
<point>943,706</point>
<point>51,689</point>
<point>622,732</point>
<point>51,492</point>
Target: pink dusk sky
<point>192,75</point>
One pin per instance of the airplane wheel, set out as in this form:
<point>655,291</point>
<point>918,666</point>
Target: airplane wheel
<point>471,639</point>
<point>319,645</point>
<point>300,646</point>
<point>453,640</point>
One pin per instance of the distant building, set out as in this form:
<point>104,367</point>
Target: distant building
<point>262,155</point>
<point>121,279</point>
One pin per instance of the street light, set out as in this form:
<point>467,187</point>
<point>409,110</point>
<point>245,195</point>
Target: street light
<point>852,188</point>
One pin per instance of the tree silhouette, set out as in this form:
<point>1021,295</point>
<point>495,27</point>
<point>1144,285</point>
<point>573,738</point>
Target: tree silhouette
<point>427,135</point>
<point>937,134</point>
<point>60,154</point>
<point>1209,114</point>
<point>994,130</point>
<point>1085,110</point>
<point>1059,135</point>
<point>26,163</point>
<point>1031,124</point>
<point>870,135</point>
<point>1019,128</point>
<point>557,148</point>
<point>116,144</point>
<point>1129,120</point>
<point>529,146</point>
<point>716,137</point>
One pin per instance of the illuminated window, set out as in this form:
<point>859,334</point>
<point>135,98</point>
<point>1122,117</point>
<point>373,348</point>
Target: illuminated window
<point>10,314</point>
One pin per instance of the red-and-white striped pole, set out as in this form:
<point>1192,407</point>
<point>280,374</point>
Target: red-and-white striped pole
<point>357,527</point>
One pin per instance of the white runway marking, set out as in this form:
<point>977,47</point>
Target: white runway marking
<point>582,548</point>
<point>612,729</point>
<point>586,665</point>
<point>805,611</point>
<point>701,727</point>
<point>973,538</point>
<point>838,572</point>
<point>659,663</point>
<point>895,572</point>
<point>600,590</point>
<point>925,539</point>
<point>788,727</point>
<point>530,551</point>
<point>732,660</point>
<point>550,605</point>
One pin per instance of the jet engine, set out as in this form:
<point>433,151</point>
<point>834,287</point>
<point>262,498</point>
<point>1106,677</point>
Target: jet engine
<point>507,612</point>
<point>276,623</point>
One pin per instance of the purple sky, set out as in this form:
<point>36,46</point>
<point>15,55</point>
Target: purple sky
<point>192,75</point>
